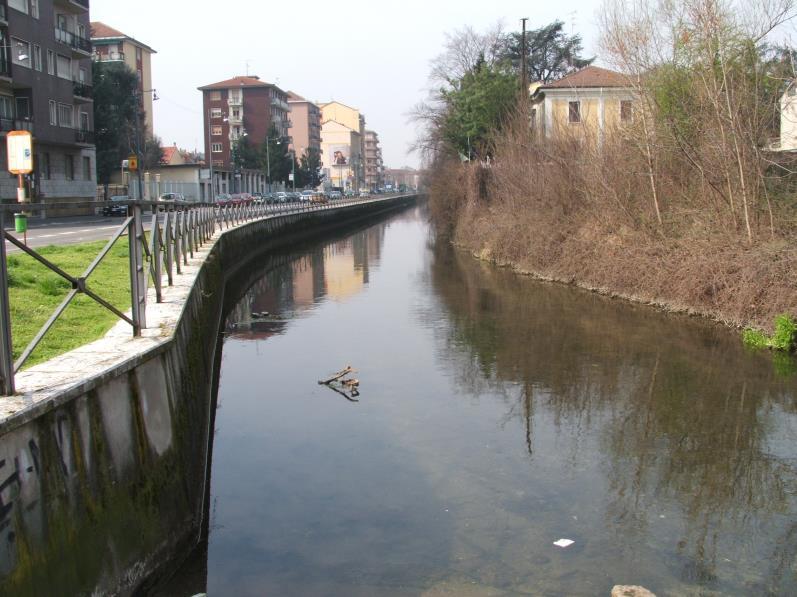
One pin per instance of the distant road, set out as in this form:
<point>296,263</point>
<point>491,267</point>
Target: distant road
<point>67,231</point>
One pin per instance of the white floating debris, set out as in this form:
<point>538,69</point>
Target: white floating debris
<point>564,542</point>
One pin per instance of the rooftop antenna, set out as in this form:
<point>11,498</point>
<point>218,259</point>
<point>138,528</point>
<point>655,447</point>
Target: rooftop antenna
<point>246,62</point>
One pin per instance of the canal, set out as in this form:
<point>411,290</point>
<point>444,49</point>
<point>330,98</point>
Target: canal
<point>496,415</point>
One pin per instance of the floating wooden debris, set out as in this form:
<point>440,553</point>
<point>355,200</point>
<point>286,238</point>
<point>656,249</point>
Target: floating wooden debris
<point>348,388</point>
<point>337,376</point>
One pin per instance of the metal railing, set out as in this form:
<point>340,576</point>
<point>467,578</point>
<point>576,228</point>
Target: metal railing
<point>177,231</point>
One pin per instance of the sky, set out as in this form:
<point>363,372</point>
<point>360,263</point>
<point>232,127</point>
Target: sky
<point>371,55</point>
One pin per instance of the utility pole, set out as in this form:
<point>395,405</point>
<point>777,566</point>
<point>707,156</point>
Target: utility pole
<point>524,82</point>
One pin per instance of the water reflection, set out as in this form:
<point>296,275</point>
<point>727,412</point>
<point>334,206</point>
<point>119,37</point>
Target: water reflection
<point>498,414</point>
<point>684,421</point>
<point>336,271</point>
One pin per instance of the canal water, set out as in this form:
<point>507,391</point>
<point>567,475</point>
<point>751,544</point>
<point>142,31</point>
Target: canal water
<point>496,415</point>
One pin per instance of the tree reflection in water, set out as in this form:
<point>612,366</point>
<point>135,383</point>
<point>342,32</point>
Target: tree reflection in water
<point>688,424</point>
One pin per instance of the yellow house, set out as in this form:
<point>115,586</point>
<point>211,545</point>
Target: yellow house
<point>585,104</point>
<point>111,45</point>
<point>342,145</point>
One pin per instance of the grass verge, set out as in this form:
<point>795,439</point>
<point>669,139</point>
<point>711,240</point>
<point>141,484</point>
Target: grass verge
<point>35,292</point>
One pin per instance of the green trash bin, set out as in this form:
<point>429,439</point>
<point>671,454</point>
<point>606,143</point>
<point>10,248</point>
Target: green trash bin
<point>20,222</point>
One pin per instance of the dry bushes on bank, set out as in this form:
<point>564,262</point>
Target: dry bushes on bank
<point>572,212</point>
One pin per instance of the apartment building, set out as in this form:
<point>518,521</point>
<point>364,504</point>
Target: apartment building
<point>111,45</point>
<point>374,166</point>
<point>233,109</point>
<point>45,88</point>
<point>306,121</point>
<point>342,146</point>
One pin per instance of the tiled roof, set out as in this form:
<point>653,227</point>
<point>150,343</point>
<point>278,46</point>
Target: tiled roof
<point>237,82</point>
<point>168,154</point>
<point>100,31</point>
<point>591,76</point>
<point>295,97</point>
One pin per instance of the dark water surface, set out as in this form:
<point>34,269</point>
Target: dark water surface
<point>497,415</point>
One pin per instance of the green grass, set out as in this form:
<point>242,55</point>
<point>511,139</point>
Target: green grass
<point>35,292</point>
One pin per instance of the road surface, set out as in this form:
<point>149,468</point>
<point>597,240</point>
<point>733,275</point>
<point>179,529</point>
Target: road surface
<point>68,231</point>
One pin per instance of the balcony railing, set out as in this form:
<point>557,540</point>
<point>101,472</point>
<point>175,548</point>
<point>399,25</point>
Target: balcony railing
<point>85,137</point>
<point>73,40</point>
<point>5,67</point>
<point>109,57</point>
<point>235,101</point>
<point>6,124</point>
<point>22,124</point>
<point>82,89</point>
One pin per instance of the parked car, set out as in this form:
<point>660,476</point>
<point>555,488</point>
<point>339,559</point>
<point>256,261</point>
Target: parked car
<point>116,210</point>
<point>332,195</point>
<point>307,195</point>
<point>171,197</point>
<point>241,199</point>
<point>281,197</point>
<point>320,198</point>
<point>258,198</point>
<point>222,199</point>
<point>364,193</point>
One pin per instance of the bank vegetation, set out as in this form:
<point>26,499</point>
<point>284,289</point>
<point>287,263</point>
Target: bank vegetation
<point>688,206</point>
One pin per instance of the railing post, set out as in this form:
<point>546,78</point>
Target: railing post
<point>6,346</point>
<point>138,275</point>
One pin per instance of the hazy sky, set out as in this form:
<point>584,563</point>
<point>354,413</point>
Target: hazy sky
<point>368,54</point>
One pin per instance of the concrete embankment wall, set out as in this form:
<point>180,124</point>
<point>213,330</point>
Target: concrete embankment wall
<point>106,482</point>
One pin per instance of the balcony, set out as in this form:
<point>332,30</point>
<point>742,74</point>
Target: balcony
<point>80,45</point>
<point>6,124</point>
<point>275,101</point>
<point>109,57</point>
<point>5,67</point>
<point>84,137</point>
<point>76,6</point>
<point>82,91</point>
<point>235,101</point>
<point>235,119</point>
<point>3,13</point>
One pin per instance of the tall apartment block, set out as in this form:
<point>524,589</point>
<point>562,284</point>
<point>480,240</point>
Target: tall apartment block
<point>45,88</point>
<point>374,166</point>
<point>111,45</point>
<point>232,109</point>
<point>306,124</point>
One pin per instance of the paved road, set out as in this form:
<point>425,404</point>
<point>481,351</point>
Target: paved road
<point>67,231</point>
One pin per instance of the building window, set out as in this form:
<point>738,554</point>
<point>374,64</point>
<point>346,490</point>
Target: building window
<point>50,62</point>
<point>23,107</point>
<point>69,167</point>
<point>6,106</point>
<point>215,130</point>
<point>138,53</point>
<point>236,113</point>
<point>86,168</point>
<point>20,52</point>
<point>44,165</point>
<point>574,112</point>
<point>20,5</point>
<point>64,67</point>
<point>81,30</point>
<point>626,111</point>
<point>215,147</point>
<point>37,58</point>
<point>34,8</point>
<point>53,113</point>
<point>215,96</point>
<point>65,116</point>
<point>215,112</point>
